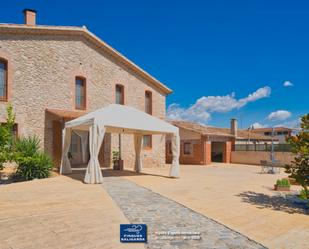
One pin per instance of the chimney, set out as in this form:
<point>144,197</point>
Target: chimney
<point>30,17</point>
<point>234,126</point>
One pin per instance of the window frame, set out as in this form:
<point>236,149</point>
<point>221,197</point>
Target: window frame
<point>122,93</point>
<point>150,142</point>
<point>6,65</point>
<point>149,93</point>
<point>184,149</point>
<point>169,148</point>
<point>84,107</point>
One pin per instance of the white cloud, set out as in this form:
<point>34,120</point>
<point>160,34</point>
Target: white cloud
<point>287,83</point>
<point>279,115</point>
<point>295,124</point>
<point>257,125</point>
<point>200,111</point>
<point>175,112</point>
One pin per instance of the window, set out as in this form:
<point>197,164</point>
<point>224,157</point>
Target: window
<point>187,148</point>
<point>267,133</point>
<point>3,80</point>
<point>148,102</point>
<point>147,141</point>
<point>80,93</point>
<point>119,94</point>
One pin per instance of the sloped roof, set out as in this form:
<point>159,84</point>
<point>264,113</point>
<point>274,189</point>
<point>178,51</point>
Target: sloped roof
<point>65,113</point>
<point>216,131</point>
<point>83,32</point>
<point>269,129</point>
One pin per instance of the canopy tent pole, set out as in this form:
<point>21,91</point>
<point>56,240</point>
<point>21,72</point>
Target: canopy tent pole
<point>138,139</point>
<point>65,167</point>
<point>96,136</point>
<point>174,170</point>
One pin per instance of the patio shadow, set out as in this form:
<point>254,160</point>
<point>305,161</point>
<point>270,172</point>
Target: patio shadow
<point>277,202</point>
<point>79,174</point>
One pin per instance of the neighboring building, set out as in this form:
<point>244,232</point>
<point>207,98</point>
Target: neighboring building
<point>201,144</point>
<point>52,74</point>
<point>279,133</point>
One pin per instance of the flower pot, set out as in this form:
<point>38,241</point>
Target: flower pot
<point>118,165</point>
<point>281,188</point>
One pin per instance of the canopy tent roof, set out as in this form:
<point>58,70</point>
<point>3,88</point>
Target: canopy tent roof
<point>119,119</point>
<point>123,119</point>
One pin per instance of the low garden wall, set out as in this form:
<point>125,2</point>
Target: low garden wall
<point>254,157</point>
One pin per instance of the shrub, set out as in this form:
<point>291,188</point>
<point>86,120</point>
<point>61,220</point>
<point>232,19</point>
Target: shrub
<point>115,155</point>
<point>283,183</point>
<point>303,194</point>
<point>7,137</point>
<point>37,166</point>
<point>299,168</point>
<point>24,151</point>
<point>26,146</point>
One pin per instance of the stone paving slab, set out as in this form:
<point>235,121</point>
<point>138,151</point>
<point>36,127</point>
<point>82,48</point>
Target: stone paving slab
<point>162,215</point>
<point>59,213</point>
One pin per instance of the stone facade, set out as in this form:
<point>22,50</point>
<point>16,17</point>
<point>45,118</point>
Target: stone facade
<point>43,70</point>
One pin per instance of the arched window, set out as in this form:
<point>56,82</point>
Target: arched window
<point>119,95</point>
<point>80,93</point>
<point>148,102</point>
<point>3,80</point>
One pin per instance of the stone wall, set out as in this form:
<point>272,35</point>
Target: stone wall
<point>254,157</point>
<point>43,70</point>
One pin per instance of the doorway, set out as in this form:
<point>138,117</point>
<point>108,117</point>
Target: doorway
<point>217,150</point>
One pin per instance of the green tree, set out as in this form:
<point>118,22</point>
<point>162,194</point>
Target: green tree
<point>7,136</point>
<point>299,168</point>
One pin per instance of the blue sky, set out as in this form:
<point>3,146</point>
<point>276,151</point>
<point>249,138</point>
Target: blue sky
<point>223,59</point>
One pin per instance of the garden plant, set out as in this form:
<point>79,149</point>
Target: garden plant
<point>299,168</point>
<point>24,151</point>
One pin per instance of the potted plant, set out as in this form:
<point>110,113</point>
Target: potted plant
<point>282,185</point>
<point>117,161</point>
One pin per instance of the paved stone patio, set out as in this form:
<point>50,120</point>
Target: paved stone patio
<point>237,196</point>
<point>62,212</point>
<point>163,215</point>
<point>59,213</point>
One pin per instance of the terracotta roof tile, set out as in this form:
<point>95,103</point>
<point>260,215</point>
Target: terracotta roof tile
<point>269,129</point>
<point>216,131</point>
<point>65,113</point>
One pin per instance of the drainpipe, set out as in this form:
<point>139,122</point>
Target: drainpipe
<point>119,144</point>
<point>272,154</point>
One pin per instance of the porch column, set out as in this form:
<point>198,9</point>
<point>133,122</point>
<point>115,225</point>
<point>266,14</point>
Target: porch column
<point>138,139</point>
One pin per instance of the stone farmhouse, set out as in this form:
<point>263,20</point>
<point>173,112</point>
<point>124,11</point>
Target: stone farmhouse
<point>52,74</point>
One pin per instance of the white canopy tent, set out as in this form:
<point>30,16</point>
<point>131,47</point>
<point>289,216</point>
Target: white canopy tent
<point>118,119</point>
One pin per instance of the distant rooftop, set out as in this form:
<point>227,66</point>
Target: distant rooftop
<point>269,129</point>
<point>216,131</point>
